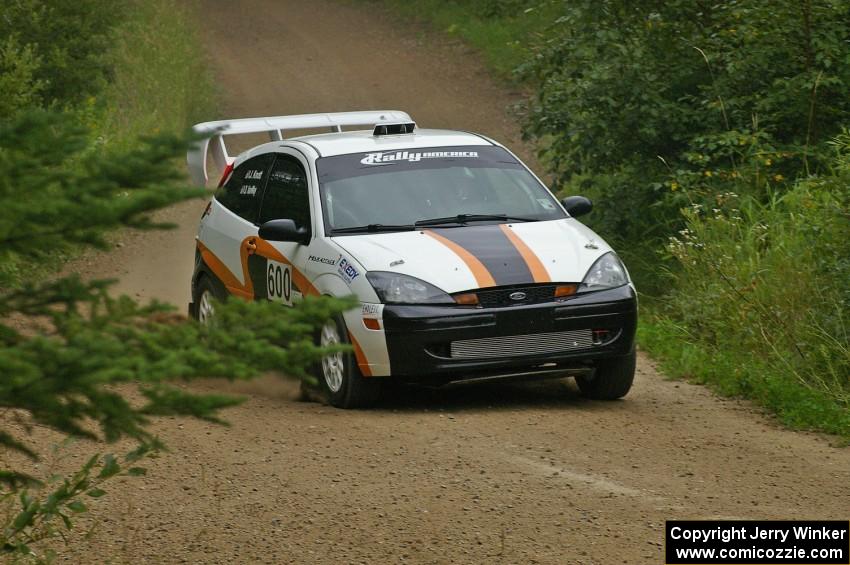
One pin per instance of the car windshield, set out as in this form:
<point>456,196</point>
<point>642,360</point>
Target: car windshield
<point>440,186</point>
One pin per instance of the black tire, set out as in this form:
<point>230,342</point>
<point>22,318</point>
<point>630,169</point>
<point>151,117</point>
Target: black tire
<point>612,379</point>
<point>204,286</point>
<point>350,389</point>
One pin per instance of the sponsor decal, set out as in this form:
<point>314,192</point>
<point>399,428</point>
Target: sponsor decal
<point>285,177</point>
<point>371,309</point>
<point>546,203</point>
<point>414,156</point>
<point>323,260</point>
<point>346,270</point>
<point>254,174</point>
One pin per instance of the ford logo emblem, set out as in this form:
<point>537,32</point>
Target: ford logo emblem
<point>517,296</point>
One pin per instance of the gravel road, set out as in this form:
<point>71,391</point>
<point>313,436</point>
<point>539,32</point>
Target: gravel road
<point>499,474</point>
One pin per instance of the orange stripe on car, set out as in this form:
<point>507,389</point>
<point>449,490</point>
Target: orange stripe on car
<point>535,265</point>
<point>360,356</point>
<point>482,276</point>
<point>252,245</point>
<point>224,274</point>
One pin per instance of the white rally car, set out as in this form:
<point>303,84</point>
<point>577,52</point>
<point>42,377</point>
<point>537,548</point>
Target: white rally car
<point>465,265</point>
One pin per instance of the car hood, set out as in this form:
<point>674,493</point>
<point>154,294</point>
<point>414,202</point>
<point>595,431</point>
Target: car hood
<point>479,256</point>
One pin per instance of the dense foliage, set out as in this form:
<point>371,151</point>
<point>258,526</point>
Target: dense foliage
<point>58,190</point>
<point>761,287</point>
<point>656,106</point>
<point>58,52</point>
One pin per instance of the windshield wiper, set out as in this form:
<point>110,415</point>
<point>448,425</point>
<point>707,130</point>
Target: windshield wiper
<point>464,218</point>
<point>371,228</point>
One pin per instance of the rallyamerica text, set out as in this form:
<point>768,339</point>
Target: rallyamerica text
<point>726,534</point>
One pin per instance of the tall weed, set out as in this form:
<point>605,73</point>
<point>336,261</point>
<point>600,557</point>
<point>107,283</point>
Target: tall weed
<point>161,78</point>
<point>767,281</point>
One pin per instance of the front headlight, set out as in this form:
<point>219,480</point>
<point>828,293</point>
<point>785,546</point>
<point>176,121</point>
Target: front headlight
<point>607,272</point>
<point>393,288</point>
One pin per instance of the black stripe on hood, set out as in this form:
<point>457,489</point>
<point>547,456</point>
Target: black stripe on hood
<point>492,247</point>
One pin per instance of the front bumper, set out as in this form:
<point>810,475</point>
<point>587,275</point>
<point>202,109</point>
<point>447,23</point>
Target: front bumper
<point>432,343</point>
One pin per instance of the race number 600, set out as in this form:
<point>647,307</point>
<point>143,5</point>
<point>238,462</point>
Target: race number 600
<point>279,282</point>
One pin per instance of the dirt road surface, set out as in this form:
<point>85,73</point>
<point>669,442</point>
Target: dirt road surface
<point>503,474</point>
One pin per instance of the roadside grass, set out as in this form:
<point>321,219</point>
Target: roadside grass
<point>503,30</point>
<point>739,374</point>
<point>160,83</point>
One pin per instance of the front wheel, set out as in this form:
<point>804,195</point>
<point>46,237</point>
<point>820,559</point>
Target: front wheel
<point>612,379</point>
<point>339,377</point>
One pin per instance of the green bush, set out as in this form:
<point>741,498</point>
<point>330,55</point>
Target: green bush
<point>19,88</point>
<point>766,284</point>
<point>634,99</point>
<point>122,67</point>
<point>71,41</point>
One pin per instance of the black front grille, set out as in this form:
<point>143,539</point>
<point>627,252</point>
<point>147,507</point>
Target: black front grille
<point>500,297</point>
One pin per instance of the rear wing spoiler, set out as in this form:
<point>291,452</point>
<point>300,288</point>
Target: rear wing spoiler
<point>213,133</point>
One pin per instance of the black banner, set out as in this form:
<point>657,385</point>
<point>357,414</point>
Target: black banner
<point>745,542</point>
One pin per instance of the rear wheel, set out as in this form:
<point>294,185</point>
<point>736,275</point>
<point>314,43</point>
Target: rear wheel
<point>612,379</point>
<point>206,295</point>
<point>340,379</point>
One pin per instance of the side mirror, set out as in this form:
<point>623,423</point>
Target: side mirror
<point>577,205</point>
<point>284,230</point>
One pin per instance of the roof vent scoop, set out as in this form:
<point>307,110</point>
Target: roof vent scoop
<point>396,128</point>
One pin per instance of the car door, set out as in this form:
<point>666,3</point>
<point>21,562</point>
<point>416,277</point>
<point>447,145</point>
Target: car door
<point>227,229</point>
<point>277,268</point>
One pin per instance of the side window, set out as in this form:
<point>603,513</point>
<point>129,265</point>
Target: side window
<point>243,191</point>
<point>286,193</point>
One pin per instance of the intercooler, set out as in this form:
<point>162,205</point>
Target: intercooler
<point>517,345</point>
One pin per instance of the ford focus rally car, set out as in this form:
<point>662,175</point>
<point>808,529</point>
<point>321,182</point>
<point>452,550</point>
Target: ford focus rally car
<point>466,267</point>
